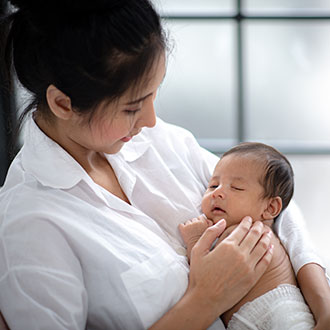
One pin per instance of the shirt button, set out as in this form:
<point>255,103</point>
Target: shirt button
<point>180,250</point>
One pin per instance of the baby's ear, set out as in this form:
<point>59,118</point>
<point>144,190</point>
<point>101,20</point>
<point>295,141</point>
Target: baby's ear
<point>274,207</point>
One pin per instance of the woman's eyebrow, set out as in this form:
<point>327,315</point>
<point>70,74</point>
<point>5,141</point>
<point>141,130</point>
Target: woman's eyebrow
<point>143,97</point>
<point>138,100</point>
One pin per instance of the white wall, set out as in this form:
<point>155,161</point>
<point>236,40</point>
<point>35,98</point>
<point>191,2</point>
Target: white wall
<point>312,184</point>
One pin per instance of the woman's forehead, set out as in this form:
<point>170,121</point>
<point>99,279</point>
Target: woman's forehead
<point>147,84</point>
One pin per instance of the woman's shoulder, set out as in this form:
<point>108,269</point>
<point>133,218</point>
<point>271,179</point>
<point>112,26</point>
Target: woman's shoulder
<point>24,198</point>
<point>14,180</point>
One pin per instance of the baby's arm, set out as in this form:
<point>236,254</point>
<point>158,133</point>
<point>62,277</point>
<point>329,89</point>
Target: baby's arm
<point>192,230</point>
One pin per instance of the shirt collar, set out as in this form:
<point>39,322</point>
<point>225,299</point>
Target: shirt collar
<point>47,161</point>
<point>134,149</point>
<point>52,166</point>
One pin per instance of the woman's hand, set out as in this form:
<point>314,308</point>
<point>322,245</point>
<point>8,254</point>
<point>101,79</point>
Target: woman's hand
<point>224,275</point>
<point>219,278</point>
<point>192,230</point>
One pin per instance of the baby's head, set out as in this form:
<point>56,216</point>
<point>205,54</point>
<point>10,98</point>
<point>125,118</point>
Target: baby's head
<point>250,179</point>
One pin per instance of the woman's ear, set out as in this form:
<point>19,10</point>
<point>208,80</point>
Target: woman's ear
<point>59,103</point>
<point>274,207</point>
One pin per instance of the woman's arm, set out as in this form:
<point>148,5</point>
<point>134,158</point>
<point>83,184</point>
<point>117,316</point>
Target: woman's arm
<point>291,229</point>
<point>307,265</point>
<point>316,291</point>
<point>216,286</point>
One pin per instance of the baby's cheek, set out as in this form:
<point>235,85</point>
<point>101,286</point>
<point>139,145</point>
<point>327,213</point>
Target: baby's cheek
<point>205,204</point>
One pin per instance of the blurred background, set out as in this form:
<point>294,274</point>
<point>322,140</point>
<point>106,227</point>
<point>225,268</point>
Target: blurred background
<point>249,70</point>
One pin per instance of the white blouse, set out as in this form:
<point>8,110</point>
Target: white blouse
<point>74,256</point>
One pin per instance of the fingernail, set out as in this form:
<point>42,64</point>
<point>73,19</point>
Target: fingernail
<point>249,219</point>
<point>269,234</point>
<point>271,248</point>
<point>220,223</point>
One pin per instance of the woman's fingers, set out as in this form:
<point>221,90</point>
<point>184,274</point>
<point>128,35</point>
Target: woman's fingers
<point>255,243</point>
<point>225,274</point>
<point>209,236</point>
<point>253,236</point>
<point>261,247</point>
<point>264,262</point>
<point>241,230</point>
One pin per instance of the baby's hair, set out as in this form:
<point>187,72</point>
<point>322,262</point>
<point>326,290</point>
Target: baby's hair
<point>278,179</point>
<point>93,51</point>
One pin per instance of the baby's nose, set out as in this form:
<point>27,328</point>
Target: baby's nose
<point>219,192</point>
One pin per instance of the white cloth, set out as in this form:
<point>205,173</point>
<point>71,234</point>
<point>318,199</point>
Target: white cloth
<point>279,309</point>
<point>71,252</point>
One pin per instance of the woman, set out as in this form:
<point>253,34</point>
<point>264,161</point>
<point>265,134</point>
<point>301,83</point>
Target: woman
<point>92,202</point>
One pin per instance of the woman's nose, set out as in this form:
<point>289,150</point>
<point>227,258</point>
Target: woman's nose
<point>148,117</point>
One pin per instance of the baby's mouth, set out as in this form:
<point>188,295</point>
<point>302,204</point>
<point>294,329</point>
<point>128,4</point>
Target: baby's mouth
<point>218,209</point>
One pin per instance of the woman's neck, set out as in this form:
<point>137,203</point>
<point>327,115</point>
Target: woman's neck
<point>90,160</point>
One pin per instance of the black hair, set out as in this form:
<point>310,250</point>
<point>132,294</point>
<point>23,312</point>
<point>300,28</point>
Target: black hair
<point>278,179</point>
<point>93,51</point>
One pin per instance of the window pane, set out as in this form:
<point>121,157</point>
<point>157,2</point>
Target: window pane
<point>198,91</point>
<point>287,70</point>
<point>186,7</point>
<point>293,7</point>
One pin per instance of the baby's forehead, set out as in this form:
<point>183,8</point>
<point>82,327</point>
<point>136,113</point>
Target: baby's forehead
<point>247,159</point>
<point>241,163</point>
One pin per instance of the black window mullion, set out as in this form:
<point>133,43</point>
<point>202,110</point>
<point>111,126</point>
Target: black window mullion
<point>241,126</point>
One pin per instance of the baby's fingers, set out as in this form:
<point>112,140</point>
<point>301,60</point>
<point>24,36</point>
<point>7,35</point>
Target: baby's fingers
<point>204,244</point>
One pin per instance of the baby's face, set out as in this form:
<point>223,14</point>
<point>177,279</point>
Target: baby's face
<point>235,190</point>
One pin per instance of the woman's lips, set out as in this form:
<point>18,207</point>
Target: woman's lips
<point>126,138</point>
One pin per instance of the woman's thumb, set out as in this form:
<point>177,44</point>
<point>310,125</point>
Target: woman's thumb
<point>204,244</point>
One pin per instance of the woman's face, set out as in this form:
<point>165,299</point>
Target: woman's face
<point>116,123</point>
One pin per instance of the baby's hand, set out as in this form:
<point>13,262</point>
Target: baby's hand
<point>192,230</point>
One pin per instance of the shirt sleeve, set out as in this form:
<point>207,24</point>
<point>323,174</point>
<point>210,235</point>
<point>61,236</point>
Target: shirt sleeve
<point>292,231</point>
<point>41,283</point>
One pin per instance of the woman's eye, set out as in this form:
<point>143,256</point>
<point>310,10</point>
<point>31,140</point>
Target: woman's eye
<point>214,186</point>
<point>132,111</point>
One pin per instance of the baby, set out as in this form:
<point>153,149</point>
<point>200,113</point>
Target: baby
<point>254,179</point>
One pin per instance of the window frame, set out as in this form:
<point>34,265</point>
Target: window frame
<point>293,147</point>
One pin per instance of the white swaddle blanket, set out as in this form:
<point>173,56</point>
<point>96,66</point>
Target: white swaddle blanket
<point>283,308</point>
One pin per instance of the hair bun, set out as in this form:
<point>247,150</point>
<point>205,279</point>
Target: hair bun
<point>67,5</point>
